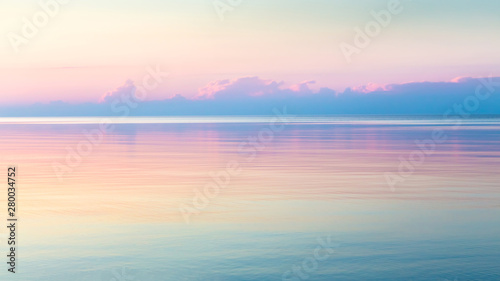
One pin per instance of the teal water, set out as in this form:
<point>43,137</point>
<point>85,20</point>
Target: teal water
<point>114,212</point>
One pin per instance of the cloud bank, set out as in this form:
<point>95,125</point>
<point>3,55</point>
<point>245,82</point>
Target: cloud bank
<point>256,96</point>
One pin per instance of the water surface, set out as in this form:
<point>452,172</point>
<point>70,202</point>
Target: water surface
<point>114,212</point>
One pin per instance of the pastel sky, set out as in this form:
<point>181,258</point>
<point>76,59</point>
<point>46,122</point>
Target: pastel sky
<point>88,48</point>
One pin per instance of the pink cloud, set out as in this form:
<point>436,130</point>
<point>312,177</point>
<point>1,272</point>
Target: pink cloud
<point>370,87</point>
<point>302,87</point>
<point>251,87</point>
<point>241,87</point>
<point>461,79</point>
<point>126,89</point>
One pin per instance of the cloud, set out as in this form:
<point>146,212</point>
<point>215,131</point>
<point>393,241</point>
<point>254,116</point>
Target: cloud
<point>256,96</point>
<point>461,79</point>
<point>302,88</point>
<point>252,87</point>
<point>368,88</point>
<point>239,88</point>
<point>127,89</point>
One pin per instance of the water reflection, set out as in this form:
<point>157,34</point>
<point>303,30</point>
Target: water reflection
<point>119,208</point>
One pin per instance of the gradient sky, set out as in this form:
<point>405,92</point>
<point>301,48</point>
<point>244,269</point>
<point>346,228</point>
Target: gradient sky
<point>92,47</point>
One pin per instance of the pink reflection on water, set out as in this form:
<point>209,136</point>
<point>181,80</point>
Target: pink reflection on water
<point>143,172</point>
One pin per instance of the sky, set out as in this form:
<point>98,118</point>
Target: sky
<point>80,51</point>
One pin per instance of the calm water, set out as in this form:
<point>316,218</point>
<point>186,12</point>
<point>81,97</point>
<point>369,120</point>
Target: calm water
<point>113,214</point>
